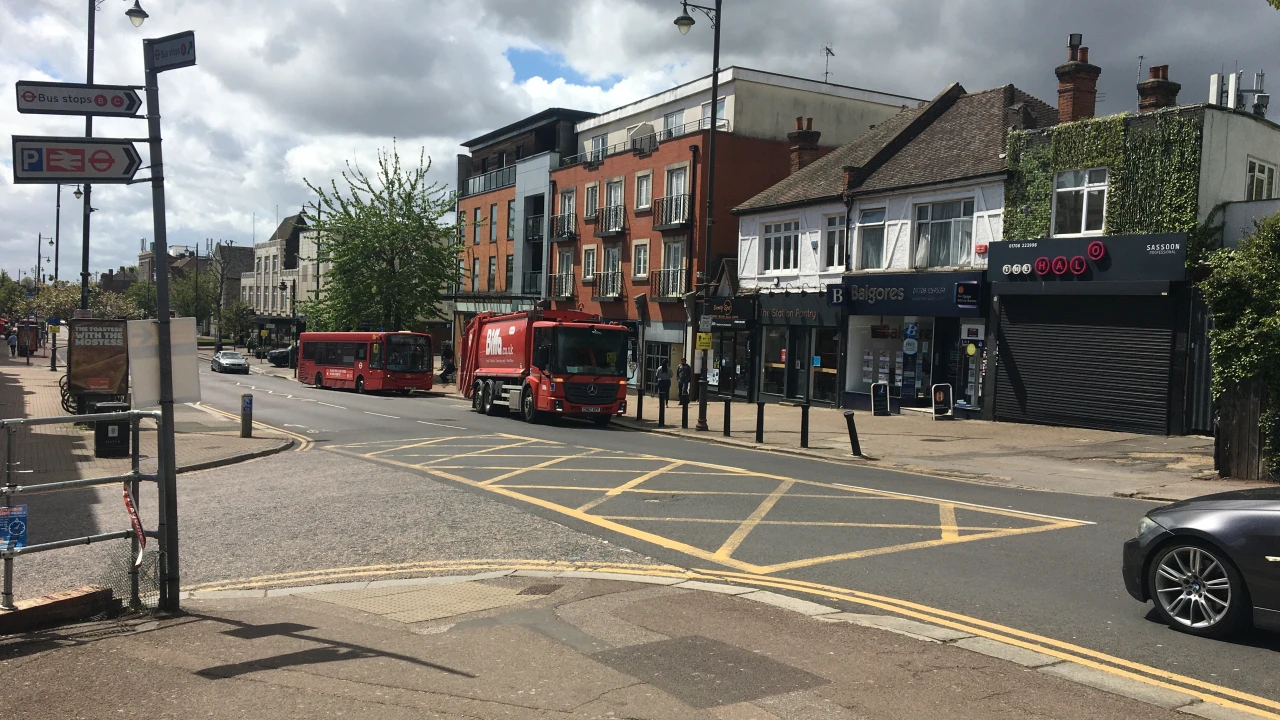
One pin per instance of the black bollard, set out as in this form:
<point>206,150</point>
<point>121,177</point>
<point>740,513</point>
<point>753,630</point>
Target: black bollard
<point>662,415</point>
<point>726,418</point>
<point>760,421</point>
<point>684,416</point>
<point>853,433</point>
<point>804,425</point>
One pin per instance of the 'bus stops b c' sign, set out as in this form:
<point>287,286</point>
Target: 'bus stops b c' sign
<point>144,361</point>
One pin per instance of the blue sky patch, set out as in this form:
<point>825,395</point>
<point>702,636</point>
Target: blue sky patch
<point>549,66</point>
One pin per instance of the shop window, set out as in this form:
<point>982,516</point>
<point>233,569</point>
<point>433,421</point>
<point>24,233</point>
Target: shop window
<point>773,376</point>
<point>871,240</point>
<point>1261,181</point>
<point>833,241</point>
<point>826,351</point>
<point>781,243</point>
<point>1079,201</point>
<point>944,234</point>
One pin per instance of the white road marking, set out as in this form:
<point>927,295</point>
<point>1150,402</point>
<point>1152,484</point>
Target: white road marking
<point>964,504</point>
<point>455,427</point>
<point>288,425</point>
<point>332,406</point>
<point>393,417</point>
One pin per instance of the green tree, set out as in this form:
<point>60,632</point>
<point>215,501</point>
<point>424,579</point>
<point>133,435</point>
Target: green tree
<point>60,299</point>
<point>13,296</point>
<point>1243,293</point>
<point>194,295</point>
<point>392,245</point>
<point>237,319</point>
<point>143,296</point>
<point>113,305</point>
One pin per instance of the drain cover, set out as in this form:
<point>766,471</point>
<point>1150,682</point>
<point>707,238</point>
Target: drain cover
<point>540,589</point>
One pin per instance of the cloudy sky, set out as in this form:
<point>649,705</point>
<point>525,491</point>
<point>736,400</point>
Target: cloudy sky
<point>291,89</point>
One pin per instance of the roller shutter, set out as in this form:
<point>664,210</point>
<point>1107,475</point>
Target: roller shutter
<point>1095,362</point>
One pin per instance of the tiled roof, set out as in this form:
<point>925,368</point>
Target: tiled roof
<point>823,179</point>
<point>965,141</point>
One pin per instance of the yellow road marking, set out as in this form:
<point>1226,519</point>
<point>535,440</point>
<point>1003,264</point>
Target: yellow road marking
<point>477,452</point>
<point>433,441</point>
<point>816,496</point>
<point>947,518</point>
<point>614,492</point>
<point>726,550</point>
<point>304,442</point>
<point>798,523</point>
<point>521,471</point>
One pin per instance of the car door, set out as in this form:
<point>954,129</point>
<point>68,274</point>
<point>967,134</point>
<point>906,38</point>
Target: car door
<point>1261,565</point>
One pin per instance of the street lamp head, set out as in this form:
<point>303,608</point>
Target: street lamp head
<point>136,14</point>
<point>78,193</point>
<point>684,22</point>
<point>283,286</point>
<point>50,242</point>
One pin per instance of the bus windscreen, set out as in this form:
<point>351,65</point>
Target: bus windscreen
<point>408,353</point>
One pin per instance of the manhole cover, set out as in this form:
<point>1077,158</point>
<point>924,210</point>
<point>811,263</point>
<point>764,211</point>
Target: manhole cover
<point>540,589</point>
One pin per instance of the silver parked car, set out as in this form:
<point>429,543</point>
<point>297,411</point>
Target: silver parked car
<point>229,361</point>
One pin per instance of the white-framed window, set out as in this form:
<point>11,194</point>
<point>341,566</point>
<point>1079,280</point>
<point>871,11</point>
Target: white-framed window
<point>871,239</point>
<point>833,246</point>
<point>781,244</point>
<point>599,143</point>
<point>944,234</point>
<point>1079,202</point>
<point>613,193</point>
<point>671,123</point>
<point>644,190</point>
<point>591,201</point>
<point>564,262</point>
<point>676,181</point>
<point>588,263</point>
<point>568,201</point>
<point>706,114</point>
<point>640,259</point>
<point>1261,181</point>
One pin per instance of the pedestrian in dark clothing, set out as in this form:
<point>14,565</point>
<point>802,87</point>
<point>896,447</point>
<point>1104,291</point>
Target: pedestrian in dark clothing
<point>684,375</point>
<point>13,344</point>
<point>663,381</point>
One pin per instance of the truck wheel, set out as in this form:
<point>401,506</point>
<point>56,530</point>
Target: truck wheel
<point>602,421</point>
<point>489,408</point>
<point>528,411</point>
<point>482,399</point>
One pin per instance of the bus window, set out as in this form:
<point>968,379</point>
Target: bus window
<point>332,354</point>
<point>309,351</point>
<point>360,351</point>
<point>375,357</point>
<point>348,354</point>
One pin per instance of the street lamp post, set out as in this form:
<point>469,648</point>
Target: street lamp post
<point>57,233</point>
<point>293,321</point>
<point>684,23</point>
<point>136,15</point>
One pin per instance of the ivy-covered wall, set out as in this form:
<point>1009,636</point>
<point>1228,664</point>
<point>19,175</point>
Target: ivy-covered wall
<point>1153,163</point>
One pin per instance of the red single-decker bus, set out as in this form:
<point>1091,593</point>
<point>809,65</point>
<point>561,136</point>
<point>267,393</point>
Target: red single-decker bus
<point>360,361</point>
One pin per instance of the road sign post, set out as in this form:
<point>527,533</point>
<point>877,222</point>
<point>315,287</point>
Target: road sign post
<point>48,98</point>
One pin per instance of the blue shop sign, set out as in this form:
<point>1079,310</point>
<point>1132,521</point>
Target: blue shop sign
<point>927,294</point>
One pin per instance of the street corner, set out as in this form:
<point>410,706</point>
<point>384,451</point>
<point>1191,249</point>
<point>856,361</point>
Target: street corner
<point>729,516</point>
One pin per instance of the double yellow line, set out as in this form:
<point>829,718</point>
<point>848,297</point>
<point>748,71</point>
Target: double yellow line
<point>304,442</point>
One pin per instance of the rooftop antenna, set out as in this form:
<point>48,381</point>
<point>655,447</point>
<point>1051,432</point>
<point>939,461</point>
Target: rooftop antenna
<point>1140,59</point>
<point>827,55</point>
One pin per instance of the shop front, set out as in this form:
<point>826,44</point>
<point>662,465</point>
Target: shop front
<point>912,331</point>
<point>1092,332</point>
<point>800,342</point>
<point>733,323</point>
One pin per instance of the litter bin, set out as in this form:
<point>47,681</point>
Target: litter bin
<point>111,437</point>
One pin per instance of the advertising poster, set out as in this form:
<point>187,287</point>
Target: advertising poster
<point>97,357</point>
<point>144,350</point>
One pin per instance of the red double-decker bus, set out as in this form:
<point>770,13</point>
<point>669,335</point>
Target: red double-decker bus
<point>360,361</point>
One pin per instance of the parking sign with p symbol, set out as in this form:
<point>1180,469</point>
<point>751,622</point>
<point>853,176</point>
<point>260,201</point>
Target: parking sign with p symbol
<point>33,160</point>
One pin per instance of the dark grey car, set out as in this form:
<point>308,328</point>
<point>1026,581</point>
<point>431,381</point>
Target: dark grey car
<point>1210,564</point>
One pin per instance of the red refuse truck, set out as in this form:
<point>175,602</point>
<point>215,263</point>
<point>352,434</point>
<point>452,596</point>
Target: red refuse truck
<point>545,362</point>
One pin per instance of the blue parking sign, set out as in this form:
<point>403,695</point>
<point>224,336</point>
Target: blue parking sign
<point>13,527</point>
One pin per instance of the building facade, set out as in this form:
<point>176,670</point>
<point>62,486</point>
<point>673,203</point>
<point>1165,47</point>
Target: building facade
<point>276,262</point>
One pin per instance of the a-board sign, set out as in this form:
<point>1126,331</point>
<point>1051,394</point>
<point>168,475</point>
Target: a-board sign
<point>97,357</point>
<point>942,402</point>
<point>880,399</point>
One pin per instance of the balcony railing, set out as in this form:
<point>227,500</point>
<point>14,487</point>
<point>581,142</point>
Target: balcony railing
<point>533,227</point>
<point>609,284</point>
<point>562,285</point>
<point>611,220</point>
<point>671,212</point>
<point>532,283</point>
<point>564,225</point>
<point>643,143</point>
<point>500,178</point>
<point>667,283</point>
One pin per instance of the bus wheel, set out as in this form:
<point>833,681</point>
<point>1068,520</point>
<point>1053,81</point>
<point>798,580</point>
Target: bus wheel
<point>528,411</point>
<point>360,385</point>
<point>319,380</point>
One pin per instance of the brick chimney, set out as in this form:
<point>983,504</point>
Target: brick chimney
<point>804,144</point>
<point>1157,91</point>
<point>1077,84</point>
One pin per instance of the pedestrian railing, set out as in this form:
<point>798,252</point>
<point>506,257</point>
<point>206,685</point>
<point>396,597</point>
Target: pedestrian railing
<point>10,549</point>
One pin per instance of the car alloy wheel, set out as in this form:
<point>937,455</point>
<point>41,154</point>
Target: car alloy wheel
<point>1197,591</point>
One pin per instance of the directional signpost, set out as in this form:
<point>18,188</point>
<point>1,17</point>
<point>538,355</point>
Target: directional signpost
<point>68,160</point>
<point>171,51</point>
<point>48,98</point>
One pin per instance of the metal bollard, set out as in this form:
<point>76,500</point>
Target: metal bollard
<point>760,421</point>
<point>726,418</point>
<point>246,415</point>
<point>853,433</point>
<point>662,415</point>
<point>804,425</point>
<point>684,416</point>
<point>640,402</point>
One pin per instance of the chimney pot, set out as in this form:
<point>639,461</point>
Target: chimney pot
<point>1157,91</point>
<point>1073,53</point>
<point>1084,54</point>
<point>804,144</point>
<point>808,123</point>
<point>799,123</point>
<point>1077,84</point>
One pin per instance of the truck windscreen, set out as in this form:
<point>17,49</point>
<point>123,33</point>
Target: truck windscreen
<point>590,351</point>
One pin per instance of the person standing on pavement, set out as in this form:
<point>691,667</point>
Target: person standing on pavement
<point>684,375</point>
<point>13,344</point>
<point>663,383</point>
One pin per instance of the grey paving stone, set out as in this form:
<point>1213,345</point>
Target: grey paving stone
<point>1005,651</point>
<point>787,602</point>
<point>1133,689</point>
